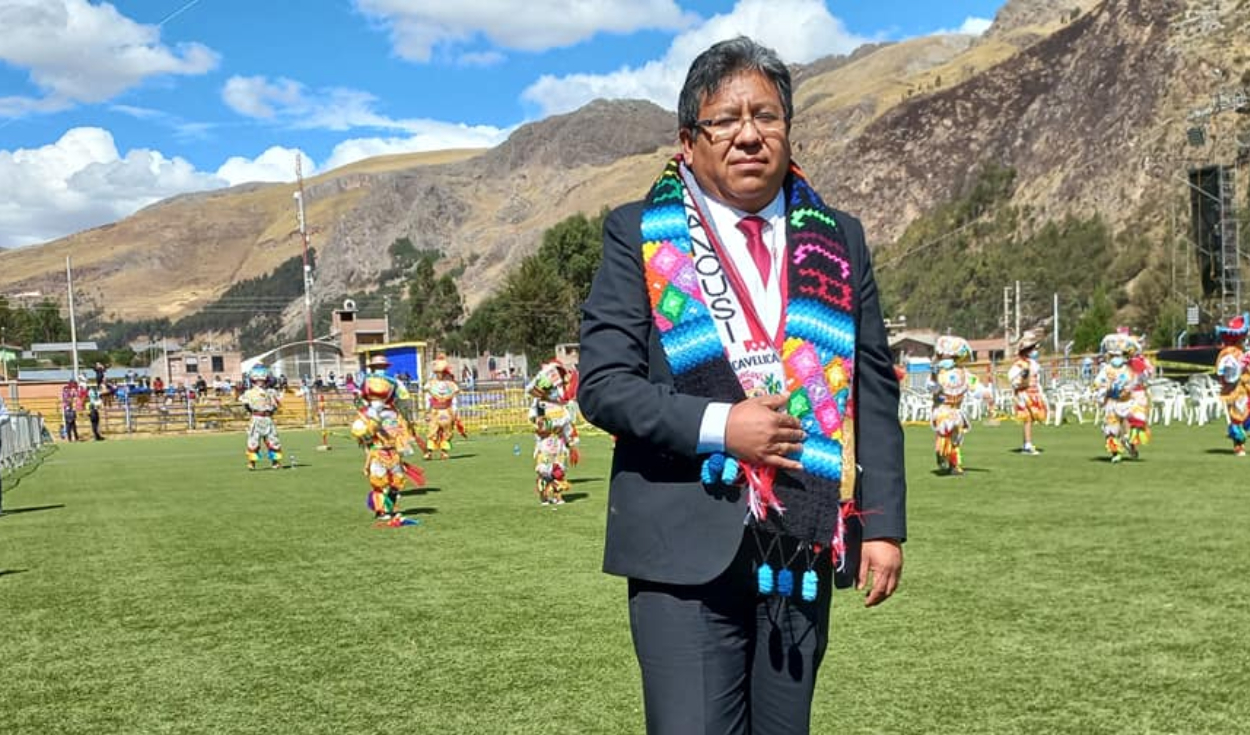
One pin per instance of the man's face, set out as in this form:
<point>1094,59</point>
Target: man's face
<point>747,170</point>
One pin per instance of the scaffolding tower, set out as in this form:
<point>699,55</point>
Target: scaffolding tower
<point>1230,257</point>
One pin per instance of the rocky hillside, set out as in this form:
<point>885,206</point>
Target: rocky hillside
<point>1090,108</point>
<point>1074,114</point>
<point>1022,22</point>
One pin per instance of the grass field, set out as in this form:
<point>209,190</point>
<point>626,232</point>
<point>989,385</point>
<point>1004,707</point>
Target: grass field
<point>155,586</point>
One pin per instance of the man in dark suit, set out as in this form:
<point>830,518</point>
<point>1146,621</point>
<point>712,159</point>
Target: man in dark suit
<point>734,344</point>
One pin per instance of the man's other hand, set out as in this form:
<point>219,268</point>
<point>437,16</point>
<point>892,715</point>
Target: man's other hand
<point>882,559</point>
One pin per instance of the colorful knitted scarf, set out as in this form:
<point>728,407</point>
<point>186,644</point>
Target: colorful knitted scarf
<point>818,353</point>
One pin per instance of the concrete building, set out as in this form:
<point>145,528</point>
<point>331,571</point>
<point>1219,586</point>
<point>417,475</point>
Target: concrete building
<point>186,366</point>
<point>354,331</point>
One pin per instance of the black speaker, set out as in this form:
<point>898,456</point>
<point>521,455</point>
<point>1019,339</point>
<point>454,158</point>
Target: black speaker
<point>1205,211</point>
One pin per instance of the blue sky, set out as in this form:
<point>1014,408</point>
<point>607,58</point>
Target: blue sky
<point>105,108</point>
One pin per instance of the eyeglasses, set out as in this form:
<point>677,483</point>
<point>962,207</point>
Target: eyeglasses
<point>721,129</point>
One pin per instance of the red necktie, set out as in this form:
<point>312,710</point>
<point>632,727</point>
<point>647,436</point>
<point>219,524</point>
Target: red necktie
<point>753,228</point>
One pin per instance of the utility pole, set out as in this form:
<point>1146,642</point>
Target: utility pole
<point>303,232</point>
<point>1017,308</point>
<point>386,315</point>
<point>1056,320</point>
<point>1006,321</point>
<point>73,327</point>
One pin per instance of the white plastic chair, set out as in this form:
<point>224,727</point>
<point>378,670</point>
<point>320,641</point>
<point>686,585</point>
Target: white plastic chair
<point>1204,398</point>
<point>1067,397</point>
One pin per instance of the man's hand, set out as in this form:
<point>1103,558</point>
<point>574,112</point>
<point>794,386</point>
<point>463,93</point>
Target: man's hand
<point>883,560</point>
<point>759,432</point>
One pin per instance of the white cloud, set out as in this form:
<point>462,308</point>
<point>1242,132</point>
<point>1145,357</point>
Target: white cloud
<point>970,27</point>
<point>436,136</point>
<point>809,33</point>
<point>481,58</point>
<point>276,164</point>
<point>418,27</point>
<point>81,181</point>
<point>258,97</point>
<point>289,103</point>
<point>76,52</point>
<point>976,26</point>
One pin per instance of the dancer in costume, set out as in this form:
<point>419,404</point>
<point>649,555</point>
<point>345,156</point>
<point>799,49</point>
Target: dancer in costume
<point>950,383</point>
<point>387,438</point>
<point>262,402</point>
<point>554,415</point>
<point>1025,377</point>
<point>1124,421</point>
<point>1143,371</point>
<point>441,391</point>
<point>1232,366</point>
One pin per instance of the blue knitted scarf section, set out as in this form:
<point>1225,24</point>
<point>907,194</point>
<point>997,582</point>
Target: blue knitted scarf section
<point>818,351</point>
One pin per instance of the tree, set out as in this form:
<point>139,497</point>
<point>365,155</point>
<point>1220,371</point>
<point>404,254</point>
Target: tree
<point>1169,322</point>
<point>8,318</point>
<point>575,247</point>
<point>537,309</point>
<point>403,254</point>
<point>435,306</point>
<point>1095,322</point>
<point>482,331</point>
<point>44,323</point>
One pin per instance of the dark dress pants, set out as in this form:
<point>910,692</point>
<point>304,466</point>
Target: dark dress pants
<point>720,659</point>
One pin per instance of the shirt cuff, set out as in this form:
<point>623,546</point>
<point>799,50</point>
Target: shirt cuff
<point>712,428</point>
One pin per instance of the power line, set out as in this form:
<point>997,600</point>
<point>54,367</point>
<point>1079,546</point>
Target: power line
<point>900,256</point>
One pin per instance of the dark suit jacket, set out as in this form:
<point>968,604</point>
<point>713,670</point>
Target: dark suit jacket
<point>663,524</point>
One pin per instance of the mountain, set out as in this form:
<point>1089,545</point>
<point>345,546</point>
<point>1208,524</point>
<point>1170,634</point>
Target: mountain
<point>1087,101</point>
<point>1075,114</point>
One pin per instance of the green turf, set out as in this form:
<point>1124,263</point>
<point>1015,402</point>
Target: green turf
<point>155,586</point>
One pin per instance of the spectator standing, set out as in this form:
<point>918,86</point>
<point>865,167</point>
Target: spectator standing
<point>93,412</point>
<point>99,374</point>
<point>4,419</point>
<point>71,422</point>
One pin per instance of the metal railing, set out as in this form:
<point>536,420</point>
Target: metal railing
<point>492,408</point>
<point>21,438</point>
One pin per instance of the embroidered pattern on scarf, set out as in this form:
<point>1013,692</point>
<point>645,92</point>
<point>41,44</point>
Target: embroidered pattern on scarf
<point>818,351</point>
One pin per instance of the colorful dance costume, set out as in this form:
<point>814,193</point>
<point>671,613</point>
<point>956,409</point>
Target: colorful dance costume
<point>387,438</point>
<point>949,383</point>
<point>1025,377</point>
<point>441,390</point>
<point>1143,371</point>
<point>1232,366</point>
<point>554,416</point>
<point>1124,416</point>
<point>262,402</point>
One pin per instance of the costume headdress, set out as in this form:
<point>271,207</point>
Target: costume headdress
<point>440,366</point>
<point>259,374</point>
<point>1118,343</point>
<point>1236,329</point>
<point>553,382</point>
<point>377,388</point>
<point>955,348</point>
<point>1028,340</point>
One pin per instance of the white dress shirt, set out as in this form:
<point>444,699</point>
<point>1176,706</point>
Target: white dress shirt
<point>767,298</point>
